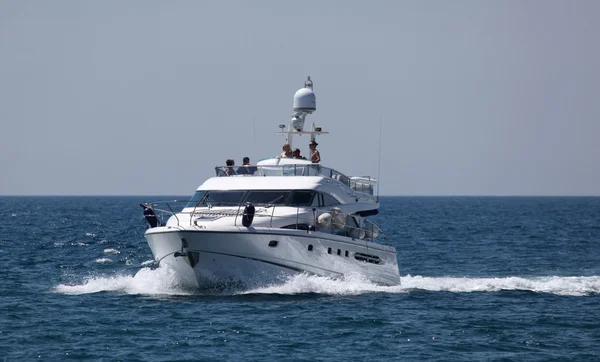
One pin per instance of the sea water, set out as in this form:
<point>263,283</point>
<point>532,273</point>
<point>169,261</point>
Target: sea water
<point>483,279</point>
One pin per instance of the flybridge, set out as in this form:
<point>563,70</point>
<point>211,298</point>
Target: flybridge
<point>363,184</point>
<point>285,167</point>
<point>304,104</point>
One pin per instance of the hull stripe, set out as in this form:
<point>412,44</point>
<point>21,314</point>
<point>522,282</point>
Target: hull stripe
<point>266,262</point>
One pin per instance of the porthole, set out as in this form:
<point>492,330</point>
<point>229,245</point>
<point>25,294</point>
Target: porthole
<point>273,243</point>
<point>310,247</point>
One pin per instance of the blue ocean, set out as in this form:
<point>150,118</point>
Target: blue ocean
<point>483,279</point>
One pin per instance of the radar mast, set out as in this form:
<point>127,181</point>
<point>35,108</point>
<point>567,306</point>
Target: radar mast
<point>304,104</point>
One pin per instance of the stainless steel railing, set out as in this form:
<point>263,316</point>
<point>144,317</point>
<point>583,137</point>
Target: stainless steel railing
<point>283,170</point>
<point>369,232</point>
<point>363,184</point>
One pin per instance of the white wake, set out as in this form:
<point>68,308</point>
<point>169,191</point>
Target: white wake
<point>163,281</point>
<point>160,281</point>
<point>574,286</point>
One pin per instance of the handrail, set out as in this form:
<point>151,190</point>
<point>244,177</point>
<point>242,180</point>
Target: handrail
<point>272,213</point>
<point>174,214</point>
<point>237,214</point>
<point>370,231</point>
<point>288,170</point>
<point>369,222</point>
<point>362,184</point>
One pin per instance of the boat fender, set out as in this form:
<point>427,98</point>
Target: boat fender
<point>248,215</point>
<point>338,218</point>
<point>324,220</point>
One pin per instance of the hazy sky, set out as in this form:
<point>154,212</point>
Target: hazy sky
<point>146,97</point>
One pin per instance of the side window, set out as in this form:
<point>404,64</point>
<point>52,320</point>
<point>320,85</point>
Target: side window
<point>329,200</point>
<point>317,200</point>
<point>302,198</point>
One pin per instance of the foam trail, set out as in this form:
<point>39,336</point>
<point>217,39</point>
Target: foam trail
<point>160,281</point>
<point>575,286</point>
<point>304,283</point>
<point>353,285</point>
<point>163,281</point>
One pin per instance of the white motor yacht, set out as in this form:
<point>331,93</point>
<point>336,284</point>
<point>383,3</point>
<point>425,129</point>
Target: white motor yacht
<point>258,225</point>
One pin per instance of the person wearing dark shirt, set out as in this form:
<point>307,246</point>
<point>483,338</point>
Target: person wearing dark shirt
<point>296,154</point>
<point>229,170</point>
<point>150,216</point>
<point>246,169</point>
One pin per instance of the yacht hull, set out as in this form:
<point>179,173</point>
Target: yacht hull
<point>264,256</point>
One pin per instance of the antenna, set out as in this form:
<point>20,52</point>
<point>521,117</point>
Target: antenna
<point>379,159</point>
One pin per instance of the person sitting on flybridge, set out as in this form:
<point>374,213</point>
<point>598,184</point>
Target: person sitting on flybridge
<point>228,170</point>
<point>297,154</point>
<point>315,156</point>
<point>287,151</point>
<point>246,169</point>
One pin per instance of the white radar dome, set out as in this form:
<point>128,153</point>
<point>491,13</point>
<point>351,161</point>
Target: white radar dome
<point>305,101</point>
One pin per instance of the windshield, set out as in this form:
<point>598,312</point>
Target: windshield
<point>224,198</point>
<point>194,200</point>
<point>302,198</point>
<point>268,197</point>
<point>216,198</point>
<point>256,197</point>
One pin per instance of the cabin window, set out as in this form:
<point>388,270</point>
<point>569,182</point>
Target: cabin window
<point>339,251</point>
<point>317,201</point>
<point>274,197</point>
<point>310,247</point>
<point>346,253</point>
<point>302,198</point>
<point>328,250</point>
<point>195,199</point>
<point>221,198</point>
<point>329,200</point>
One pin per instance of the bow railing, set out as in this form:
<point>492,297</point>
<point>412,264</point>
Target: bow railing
<point>308,219</point>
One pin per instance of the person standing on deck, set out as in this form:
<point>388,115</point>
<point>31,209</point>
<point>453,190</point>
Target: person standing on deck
<point>315,156</point>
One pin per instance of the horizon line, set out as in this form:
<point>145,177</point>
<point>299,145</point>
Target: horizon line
<point>396,195</point>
